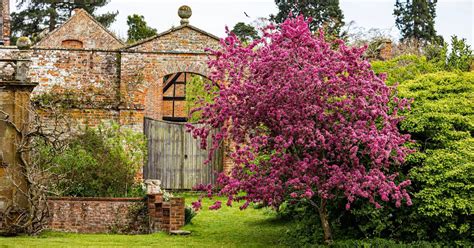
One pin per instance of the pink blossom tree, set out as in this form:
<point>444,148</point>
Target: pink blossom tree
<point>308,122</point>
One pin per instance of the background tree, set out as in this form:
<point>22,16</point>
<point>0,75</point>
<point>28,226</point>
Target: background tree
<point>325,14</point>
<point>35,16</point>
<point>245,32</point>
<point>309,123</point>
<point>415,19</point>
<point>138,28</point>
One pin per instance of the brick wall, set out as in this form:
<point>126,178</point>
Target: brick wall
<point>97,215</point>
<point>115,215</point>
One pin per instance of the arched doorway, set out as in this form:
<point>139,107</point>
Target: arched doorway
<point>176,98</point>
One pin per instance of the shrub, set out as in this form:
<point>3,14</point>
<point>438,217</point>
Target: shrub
<point>189,214</point>
<point>442,122</point>
<point>403,68</point>
<point>461,56</point>
<point>102,162</point>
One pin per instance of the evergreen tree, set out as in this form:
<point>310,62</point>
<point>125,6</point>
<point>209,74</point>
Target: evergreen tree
<point>245,32</point>
<point>325,13</point>
<point>415,19</point>
<point>138,28</point>
<point>36,16</point>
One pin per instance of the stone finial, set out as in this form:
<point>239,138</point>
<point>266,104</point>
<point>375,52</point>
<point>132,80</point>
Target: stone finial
<point>153,186</point>
<point>23,43</point>
<point>184,12</point>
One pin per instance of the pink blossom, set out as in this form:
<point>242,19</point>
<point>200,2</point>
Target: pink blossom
<point>323,120</point>
<point>216,205</point>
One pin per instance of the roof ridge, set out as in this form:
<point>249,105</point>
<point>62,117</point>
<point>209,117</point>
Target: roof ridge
<point>100,25</point>
<point>77,11</point>
<point>170,31</point>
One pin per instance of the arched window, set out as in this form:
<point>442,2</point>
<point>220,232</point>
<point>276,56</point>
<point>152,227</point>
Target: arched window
<point>182,92</point>
<point>174,96</point>
<point>72,44</point>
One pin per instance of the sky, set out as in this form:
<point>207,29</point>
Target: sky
<point>454,17</point>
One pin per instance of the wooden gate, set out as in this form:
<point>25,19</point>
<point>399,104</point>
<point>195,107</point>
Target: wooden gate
<point>175,157</point>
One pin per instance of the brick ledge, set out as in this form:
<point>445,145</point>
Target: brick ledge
<point>110,199</point>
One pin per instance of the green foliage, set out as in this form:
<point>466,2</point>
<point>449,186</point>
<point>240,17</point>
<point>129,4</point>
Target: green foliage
<point>325,14</point>
<point>442,111</point>
<point>189,214</point>
<point>245,32</point>
<point>403,68</point>
<point>447,178</point>
<point>138,28</point>
<point>197,95</point>
<point>461,55</point>
<point>442,122</point>
<point>415,19</point>
<point>102,162</point>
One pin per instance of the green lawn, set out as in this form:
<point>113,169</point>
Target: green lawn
<point>228,227</point>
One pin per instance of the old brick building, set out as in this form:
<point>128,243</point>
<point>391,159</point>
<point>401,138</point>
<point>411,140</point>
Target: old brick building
<point>102,79</point>
<point>98,78</point>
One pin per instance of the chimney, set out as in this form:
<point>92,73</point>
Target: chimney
<point>386,52</point>
<point>5,23</point>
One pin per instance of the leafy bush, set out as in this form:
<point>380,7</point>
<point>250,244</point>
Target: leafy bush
<point>102,162</point>
<point>442,122</point>
<point>442,171</point>
<point>189,214</point>
<point>403,68</point>
<point>461,55</point>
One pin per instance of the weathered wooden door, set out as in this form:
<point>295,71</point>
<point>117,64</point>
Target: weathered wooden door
<point>175,157</point>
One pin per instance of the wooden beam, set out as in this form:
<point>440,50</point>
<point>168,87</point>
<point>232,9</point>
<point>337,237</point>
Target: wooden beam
<point>170,82</point>
<point>175,98</point>
<point>175,119</point>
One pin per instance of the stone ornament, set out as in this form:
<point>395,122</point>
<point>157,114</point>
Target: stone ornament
<point>153,186</point>
<point>23,43</point>
<point>184,12</point>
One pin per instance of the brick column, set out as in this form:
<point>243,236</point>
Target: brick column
<point>165,216</point>
<point>176,213</point>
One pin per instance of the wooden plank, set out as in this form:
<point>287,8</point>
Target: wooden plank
<point>176,158</point>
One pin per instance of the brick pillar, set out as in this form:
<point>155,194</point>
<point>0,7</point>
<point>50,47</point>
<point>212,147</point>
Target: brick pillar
<point>386,50</point>
<point>155,211</point>
<point>176,213</point>
<point>165,216</point>
<point>5,22</point>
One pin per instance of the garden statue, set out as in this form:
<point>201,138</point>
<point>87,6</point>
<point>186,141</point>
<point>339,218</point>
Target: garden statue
<point>153,186</point>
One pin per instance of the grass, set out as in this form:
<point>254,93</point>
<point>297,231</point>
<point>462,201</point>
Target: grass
<point>228,227</point>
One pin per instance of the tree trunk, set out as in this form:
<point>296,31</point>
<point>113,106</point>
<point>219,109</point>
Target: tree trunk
<point>323,215</point>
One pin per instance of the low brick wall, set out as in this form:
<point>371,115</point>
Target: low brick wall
<point>116,215</point>
<point>98,215</point>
